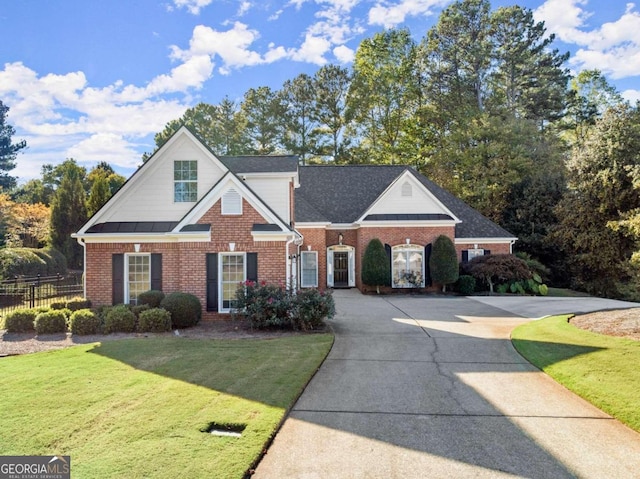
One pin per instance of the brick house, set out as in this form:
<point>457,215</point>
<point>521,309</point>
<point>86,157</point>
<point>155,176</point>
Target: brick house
<point>191,221</point>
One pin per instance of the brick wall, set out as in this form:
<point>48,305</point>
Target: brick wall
<point>316,238</point>
<point>184,264</point>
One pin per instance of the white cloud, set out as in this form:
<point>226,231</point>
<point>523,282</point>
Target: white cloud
<point>344,54</point>
<point>613,48</point>
<point>192,6</point>
<point>390,14</point>
<point>632,96</point>
<point>109,147</point>
<point>244,8</point>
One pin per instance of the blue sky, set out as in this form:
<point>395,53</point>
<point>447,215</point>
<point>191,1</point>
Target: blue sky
<point>95,80</point>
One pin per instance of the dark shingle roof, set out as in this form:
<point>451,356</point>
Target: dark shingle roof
<point>144,227</point>
<point>265,227</point>
<point>261,164</point>
<point>342,194</point>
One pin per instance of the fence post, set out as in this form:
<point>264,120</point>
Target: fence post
<point>32,299</point>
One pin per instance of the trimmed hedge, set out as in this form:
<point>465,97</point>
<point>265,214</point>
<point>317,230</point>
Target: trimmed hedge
<point>76,304</point>
<point>185,309</point>
<point>155,320</point>
<point>20,320</point>
<point>49,322</point>
<point>83,321</point>
<point>466,284</point>
<point>119,319</point>
<point>152,297</point>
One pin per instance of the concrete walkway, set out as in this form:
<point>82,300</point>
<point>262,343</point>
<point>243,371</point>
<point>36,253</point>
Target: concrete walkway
<point>429,387</point>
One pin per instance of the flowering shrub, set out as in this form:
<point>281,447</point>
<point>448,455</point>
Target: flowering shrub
<point>274,306</point>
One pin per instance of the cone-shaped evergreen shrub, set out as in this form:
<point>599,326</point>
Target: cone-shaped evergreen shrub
<point>443,263</point>
<point>376,269</point>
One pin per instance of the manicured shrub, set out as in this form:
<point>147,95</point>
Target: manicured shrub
<point>119,319</point>
<point>155,320</point>
<point>466,284</point>
<point>376,269</point>
<point>31,262</point>
<point>185,309</point>
<point>311,307</point>
<point>139,308</point>
<point>264,305</point>
<point>49,322</point>
<point>443,262</point>
<point>152,297</point>
<point>20,320</point>
<point>75,304</point>
<point>83,321</point>
<point>58,305</point>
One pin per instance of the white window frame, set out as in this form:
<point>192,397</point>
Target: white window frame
<point>231,207</point>
<point>303,284</point>
<point>404,252</point>
<point>127,273</point>
<point>472,253</point>
<point>222,282</point>
<point>193,183</point>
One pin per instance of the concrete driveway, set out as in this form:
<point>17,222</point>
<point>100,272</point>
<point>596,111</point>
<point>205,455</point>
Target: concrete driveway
<point>430,387</point>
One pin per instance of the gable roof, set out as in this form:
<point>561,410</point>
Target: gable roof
<point>261,164</point>
<point>344,193</point>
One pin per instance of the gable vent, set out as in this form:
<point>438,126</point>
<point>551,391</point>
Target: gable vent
<point>231,202</point>
<point>406,189</point>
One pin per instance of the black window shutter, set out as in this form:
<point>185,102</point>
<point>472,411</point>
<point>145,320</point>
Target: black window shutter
<point>465,255</point>
<point>427,266</point>
<point>212,282</point>
<point>252,267</point>
<point>487,251</point>
<point>156,271</point>
<point>117,279</point>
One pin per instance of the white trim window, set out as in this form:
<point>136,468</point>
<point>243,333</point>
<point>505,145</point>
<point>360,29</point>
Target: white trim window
<point>407,264</point>
<point>232,272</point>
<point>472,253</point>
<point>309,269</point>
<point>185,181</point>
<point>138,276</point>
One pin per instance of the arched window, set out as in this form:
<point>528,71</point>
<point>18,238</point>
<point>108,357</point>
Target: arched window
<point>407,267</point>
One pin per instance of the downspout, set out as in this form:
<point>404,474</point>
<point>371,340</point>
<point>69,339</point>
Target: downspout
<point>84,266</point>
<point>287,263</point>
<point>511,243</point>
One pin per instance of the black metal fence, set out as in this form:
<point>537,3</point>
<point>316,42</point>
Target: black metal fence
<point>23,292</point>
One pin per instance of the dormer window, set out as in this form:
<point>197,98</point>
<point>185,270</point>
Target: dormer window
<point>231,202</point>
<point>406,189</point>
<point>185,181</point>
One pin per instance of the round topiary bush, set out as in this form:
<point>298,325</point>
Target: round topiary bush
<point>119,319</point>
<point>152,297</point>
<point>84,321</point>
<point>155,320</point>
<point>49,322</point>
<point>185,309</point>
<point>76,304</point>
<point>20,320</point>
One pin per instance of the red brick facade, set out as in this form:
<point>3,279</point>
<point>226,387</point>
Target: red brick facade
<point>319,239</point>
<point>184,264</point>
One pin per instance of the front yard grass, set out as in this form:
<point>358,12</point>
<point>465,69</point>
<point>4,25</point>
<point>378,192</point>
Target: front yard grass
<point>136,407</point>
<point>601,369</point>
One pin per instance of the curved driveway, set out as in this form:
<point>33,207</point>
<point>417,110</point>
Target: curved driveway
<point>431,387</point>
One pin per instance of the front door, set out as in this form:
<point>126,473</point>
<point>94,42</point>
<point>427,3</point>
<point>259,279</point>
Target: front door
<point>341,269</point>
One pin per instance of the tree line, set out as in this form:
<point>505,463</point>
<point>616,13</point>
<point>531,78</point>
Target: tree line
<point>484,106</point>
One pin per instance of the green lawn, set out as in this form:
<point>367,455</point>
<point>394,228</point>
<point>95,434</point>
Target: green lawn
<point>604,370</point>
<point>135,408</point>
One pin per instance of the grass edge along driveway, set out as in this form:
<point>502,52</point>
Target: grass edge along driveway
<point>601,369</point>
<point>136,407</point>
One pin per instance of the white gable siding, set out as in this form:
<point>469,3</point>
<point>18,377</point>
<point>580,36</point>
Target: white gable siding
<point>152,196</point>
<point>395,202</point>
<point>274,192</point>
